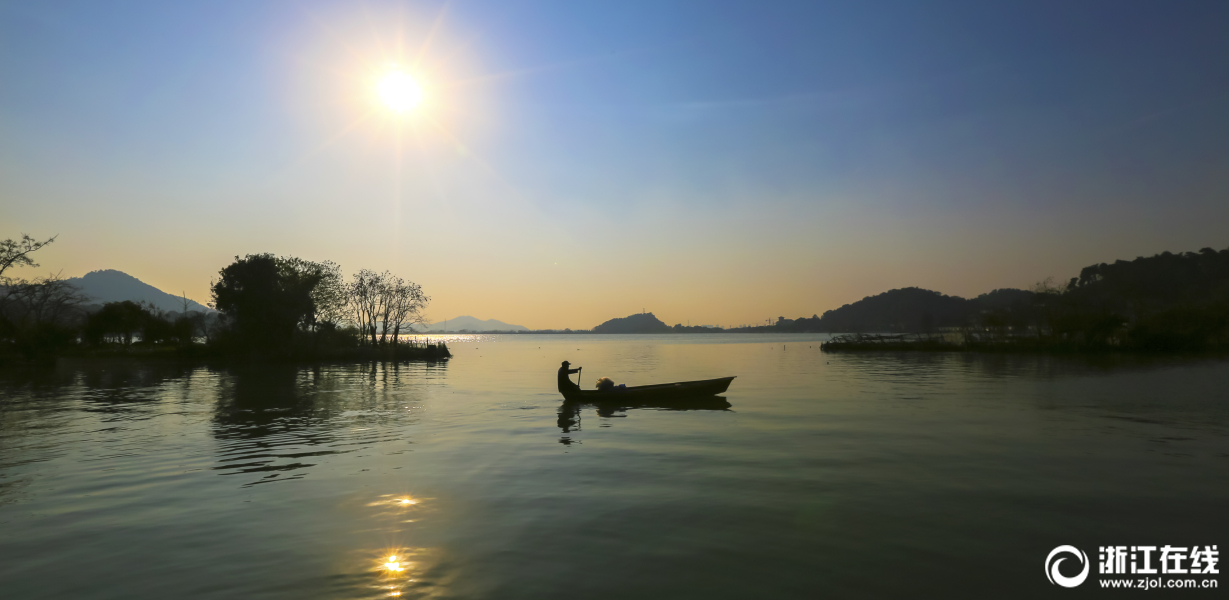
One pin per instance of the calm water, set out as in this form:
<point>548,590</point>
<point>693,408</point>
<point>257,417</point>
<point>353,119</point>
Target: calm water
<point>839,475</point>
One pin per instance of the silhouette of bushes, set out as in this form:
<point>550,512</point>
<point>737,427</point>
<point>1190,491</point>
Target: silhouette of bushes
<point>121,320</point>
<point>1183,329</point>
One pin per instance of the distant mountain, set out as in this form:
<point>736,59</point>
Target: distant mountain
<point>641,323</point>
<point>116,286</point>
<point>472,324</point>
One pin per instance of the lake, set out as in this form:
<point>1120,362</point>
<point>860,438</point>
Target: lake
<point>828,474</point>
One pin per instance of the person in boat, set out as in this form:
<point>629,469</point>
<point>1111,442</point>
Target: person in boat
<point>565,382</point>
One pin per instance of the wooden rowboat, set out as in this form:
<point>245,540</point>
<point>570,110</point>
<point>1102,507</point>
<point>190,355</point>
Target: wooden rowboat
<point>641,393</point>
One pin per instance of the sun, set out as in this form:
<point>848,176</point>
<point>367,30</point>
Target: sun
<point>399,91</point>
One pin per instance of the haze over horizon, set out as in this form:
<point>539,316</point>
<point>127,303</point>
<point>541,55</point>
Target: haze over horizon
<point>718,162</point>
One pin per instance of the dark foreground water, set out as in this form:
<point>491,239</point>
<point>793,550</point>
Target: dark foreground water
<point>833,475</point>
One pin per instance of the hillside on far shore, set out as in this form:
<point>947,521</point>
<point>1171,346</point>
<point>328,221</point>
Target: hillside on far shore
<point>116,286</point>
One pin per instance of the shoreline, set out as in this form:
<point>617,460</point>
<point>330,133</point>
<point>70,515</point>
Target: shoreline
<point>436,352</point>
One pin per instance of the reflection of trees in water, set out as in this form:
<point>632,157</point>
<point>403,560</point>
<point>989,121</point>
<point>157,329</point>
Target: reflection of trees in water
<point>33,399</point>
<point>128,390</point>
<point>107,386</point>
<point>120,389</point>
<point>32,407</point>
<point>921,367</point>
<point>570,411</point>
<point>1156,390</point>
<point>42,410</point>
<point>274,419</point>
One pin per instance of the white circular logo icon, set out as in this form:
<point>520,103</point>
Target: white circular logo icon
<point>1052,566</point>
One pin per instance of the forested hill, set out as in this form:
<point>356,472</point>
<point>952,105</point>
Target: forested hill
<point>910,309</point>
<point>641,323</point>
<point>1163,302</point>
<point>907,309</point>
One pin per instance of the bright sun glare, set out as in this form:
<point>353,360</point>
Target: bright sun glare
<point>399,92</point>
<point>393,564</point>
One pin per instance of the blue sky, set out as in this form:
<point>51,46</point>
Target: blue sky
<point>718,162</point>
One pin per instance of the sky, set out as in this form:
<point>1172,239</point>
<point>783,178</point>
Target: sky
<point>712,162</point>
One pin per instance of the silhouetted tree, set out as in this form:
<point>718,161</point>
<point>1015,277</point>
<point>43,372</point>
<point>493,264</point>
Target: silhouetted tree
<point>403,305</point>
<point>381,304</point>
<point>366,298</point>
<point>187,323</point>
<point>264,303</point>
<point>329,294</point>
<point>40,317</point>
<point>156,325</point>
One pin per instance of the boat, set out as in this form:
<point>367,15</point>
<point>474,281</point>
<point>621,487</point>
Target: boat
<point>609,405</point>
<point>641,393</point>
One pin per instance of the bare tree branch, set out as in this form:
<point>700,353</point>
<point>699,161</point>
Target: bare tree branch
<point>17,253</point>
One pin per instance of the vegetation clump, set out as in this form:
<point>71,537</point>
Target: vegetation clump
<point>267,307</point>
<point>287,306</point>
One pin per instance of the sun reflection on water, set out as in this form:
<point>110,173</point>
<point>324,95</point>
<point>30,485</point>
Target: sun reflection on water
<point>396,501</point>
<point>394,565</point>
